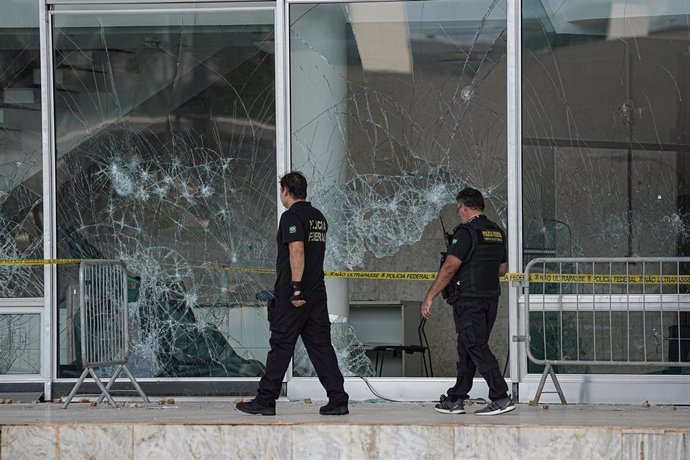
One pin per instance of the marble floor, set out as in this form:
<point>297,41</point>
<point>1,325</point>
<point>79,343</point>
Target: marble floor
<point>222,411</point>
<point>214,429</point>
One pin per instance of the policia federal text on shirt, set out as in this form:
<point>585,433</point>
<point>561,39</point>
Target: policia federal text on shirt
<point>469,275</point>
<point>299,306</point>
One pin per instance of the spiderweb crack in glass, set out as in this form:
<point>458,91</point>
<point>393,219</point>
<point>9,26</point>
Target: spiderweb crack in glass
<point>376,217</point>
<point>385,153</point>
<point>604,152</point>
<point>166,160</point>
<point>20,344</point>
<point>395,112</point>
<point>21,232</point>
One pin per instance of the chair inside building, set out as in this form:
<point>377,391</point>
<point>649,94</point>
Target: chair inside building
<point>398,350</point>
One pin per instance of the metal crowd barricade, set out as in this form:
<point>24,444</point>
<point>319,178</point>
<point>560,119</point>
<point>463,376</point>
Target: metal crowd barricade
<point>612,312</point>
<point>104,324</point>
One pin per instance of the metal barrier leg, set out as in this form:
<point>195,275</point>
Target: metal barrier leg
<point>537,395</point>
<point>136,384</point>
<point>104,392</point>
<point>76,387</point>
<point>116,374</point>
<point>548,370</point>
<point>557,385</point>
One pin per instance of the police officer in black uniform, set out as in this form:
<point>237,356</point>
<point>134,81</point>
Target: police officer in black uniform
<point>469,280</point>
<point>299,307</point>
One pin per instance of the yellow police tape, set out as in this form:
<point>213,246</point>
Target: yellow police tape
<point>400,276</point>
<point>34,262</point>
<point>563,278</point>
<point>581,278</point>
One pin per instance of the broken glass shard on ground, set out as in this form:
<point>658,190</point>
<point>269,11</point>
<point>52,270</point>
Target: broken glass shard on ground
<point>351,354</point>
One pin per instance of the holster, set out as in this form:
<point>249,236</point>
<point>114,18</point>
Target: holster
<point>451,292</point>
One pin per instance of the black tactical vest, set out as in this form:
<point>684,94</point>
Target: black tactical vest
<point>478,274</point>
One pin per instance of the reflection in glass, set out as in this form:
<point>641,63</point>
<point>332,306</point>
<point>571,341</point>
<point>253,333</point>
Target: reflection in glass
<point>165,131</point>
<point>605,129</point>
<point>21,164</point>
<point>395,106</point>
<point>605,146</point>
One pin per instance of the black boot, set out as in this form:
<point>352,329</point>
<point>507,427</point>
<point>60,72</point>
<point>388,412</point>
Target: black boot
<point>256,408</point>
<point>334,408</point>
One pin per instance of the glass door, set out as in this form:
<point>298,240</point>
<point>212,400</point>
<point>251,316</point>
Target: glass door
<point>395,107</point>
<point>164,151</point>
<point>23,364</point>
<point>605,174</point>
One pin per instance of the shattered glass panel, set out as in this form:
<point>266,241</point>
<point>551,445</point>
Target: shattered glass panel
<point>605,145</point>
<point>396,106</point>
<point>165,132</point>
<point>21,164</point>
<point>351,354</point>
<point>20,344</point>
<point>605,128</point>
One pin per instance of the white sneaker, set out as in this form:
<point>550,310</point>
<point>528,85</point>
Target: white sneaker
<point>445,406</point>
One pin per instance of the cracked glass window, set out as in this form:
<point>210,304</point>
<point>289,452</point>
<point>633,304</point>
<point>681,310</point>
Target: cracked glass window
<point>20,344</point>
<point>165,153</point>
<point>606,149</point>
<point>21,164</point>
<point>395,107</point>
<point>605,128</point>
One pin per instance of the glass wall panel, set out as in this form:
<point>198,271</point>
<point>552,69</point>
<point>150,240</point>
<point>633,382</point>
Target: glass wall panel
<point>395,107</point>
<point>20,343</point>
<point>605,128</point>
<point>165,132</point>
<point>21,164</point>
<point>606,150</point>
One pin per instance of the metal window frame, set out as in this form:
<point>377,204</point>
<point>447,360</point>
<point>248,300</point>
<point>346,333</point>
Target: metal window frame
<point>139,2</point>
<point>39,305</point>
<point>516,349</point>
<point>26,306</point>
<point>283,148</point>
<point>126,11</point>
<point>518,357</point>
<point>282,98</point>
<point>49,352</point>
<point>50,348</point>
<point>392,386</point>
<point>600,388</point>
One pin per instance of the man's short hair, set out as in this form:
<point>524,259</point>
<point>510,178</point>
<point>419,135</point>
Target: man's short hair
<point>295,183</point>
<point>471,197</point>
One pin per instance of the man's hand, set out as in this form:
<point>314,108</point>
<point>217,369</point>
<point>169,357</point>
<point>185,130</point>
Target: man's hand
<point>425,308</point>
<point>297,297</point>
<point>443,277</point>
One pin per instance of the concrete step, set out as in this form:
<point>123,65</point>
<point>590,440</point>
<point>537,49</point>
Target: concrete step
<point>371,430</point>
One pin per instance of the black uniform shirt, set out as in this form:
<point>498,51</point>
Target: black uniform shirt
<point>302,222</point>
<point>462,243</point>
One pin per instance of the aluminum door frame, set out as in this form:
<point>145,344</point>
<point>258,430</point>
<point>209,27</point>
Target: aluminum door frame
<point>49,334</point>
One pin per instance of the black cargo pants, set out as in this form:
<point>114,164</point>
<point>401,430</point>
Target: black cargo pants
<point>311,322</point>
<point>474,319</point>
